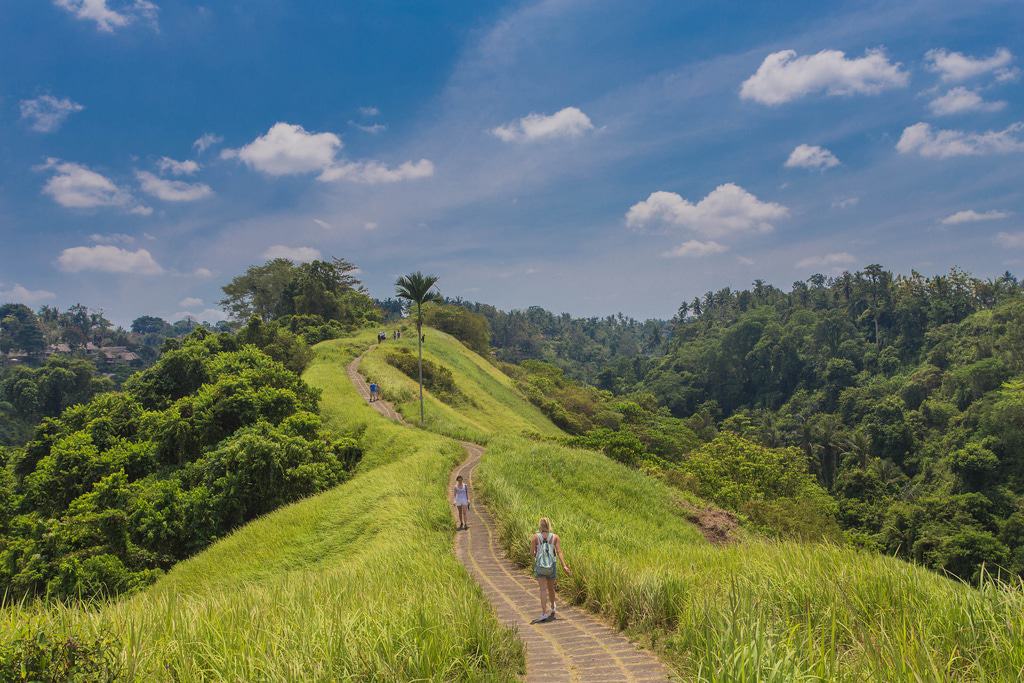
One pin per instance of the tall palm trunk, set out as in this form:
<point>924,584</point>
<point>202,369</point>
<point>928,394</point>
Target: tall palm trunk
<point>419,344</point>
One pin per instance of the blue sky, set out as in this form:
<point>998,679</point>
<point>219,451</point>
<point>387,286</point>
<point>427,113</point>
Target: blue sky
<point>584,156</point>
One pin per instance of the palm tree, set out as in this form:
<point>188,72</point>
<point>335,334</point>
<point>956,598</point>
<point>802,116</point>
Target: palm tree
<point>418,289</point>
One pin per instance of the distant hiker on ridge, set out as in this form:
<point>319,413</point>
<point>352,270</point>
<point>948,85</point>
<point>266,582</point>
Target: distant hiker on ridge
<point>545,546</point>
<point>374,392</point>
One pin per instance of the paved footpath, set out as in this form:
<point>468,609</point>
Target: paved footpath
<point>576,646</point>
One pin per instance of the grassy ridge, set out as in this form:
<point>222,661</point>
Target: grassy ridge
<point>493,404</point>
<point>359,582</point>
<point>756,610</point>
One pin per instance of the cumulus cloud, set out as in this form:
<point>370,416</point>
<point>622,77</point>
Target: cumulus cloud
<point>956,66</point>
<point>109,15</point>
<point>169,165</point>
<point>105,258</point>
<point>845,202</point>
<point>202,273</point>
<point>727,210</point>
<point>206,141</point>
<point>783,76</point>
<point>566,123</point>
<point>838,258</point>
<point>972,216</point>
<point>372,128</point>
<point>111,238</point>
<point>190,302</point>
<point>696,248</point>
<point>811,156</point>
<point>46,113</point>
<point>297,254</point>
<point>172,190</point>
<point>288,149</point>
<point>16,294</point>
<point>374,172</point>
<point>960,100</point>
<point>943,144</point>
<point>78,187</point>
<point>1010,240</point>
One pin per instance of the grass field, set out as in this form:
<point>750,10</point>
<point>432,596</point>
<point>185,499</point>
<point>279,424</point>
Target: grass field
<point>356,583</point>
<point>753,611</point>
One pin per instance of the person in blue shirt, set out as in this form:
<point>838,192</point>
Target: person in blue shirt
<point>374,392</point>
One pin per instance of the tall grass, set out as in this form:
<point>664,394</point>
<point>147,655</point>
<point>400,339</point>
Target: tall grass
<point>356,583</point>
<point>757,610</point>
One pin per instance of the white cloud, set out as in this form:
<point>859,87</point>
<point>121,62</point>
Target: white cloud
<point>288,149</point>
<point>206,141</point>
<point>323,224</point>
<point>839,258</point>
<point>745,260</point>
<point>169,165</point>
<point>959,100</point>
<point>111,238</point>
<point>369,111</point>
<point>943,144</point>
<point>108,259</point>
<point>202,273</point>
<point>696,248</point>
<point>1010,240</point>
<point>783,76</point>
<point>190,302</point>
<point>374,172</point>
<point>811,156</point>
<point>845,202</point>
<point>77,187</point>
<point>297,254</point>
<point>47,113</point>
<point>22,295</point>
<point>370,225</point>
<point>972,216</point>
<point>372,129</point>
<point>727,210</point>
<point>566,123</point>
<point>172,190</point>
<point>106,17</point>
<point>956,66</point>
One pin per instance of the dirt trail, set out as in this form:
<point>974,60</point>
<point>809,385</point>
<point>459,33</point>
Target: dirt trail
<point>576,646</point>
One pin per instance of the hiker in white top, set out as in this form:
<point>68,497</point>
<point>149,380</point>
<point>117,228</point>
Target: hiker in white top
<point>545,546</point>
<point>461,500</point>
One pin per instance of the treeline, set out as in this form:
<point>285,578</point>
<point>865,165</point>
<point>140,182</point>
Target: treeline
<point>904,393</point>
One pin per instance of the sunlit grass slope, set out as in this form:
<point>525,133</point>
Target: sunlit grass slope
<point>756,610</point>
<point>356,583</point>
<point>492,404</point>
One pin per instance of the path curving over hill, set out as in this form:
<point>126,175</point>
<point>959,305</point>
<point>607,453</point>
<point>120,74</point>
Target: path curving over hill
<point>575,647</point>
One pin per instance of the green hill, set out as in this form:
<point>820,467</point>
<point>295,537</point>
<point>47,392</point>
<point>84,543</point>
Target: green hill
<point>361,582</point>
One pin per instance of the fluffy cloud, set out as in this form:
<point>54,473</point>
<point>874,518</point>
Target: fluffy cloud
<point>1010,240</point>
<point>172,190</point>
<point>297,254</point>
<point>972,216</point>
<point>169,165</point>
<point>783,76</point>
<point>77,187</point>
<point>727,210</point>
<point>288,149</point>
<point>696,248</point>
<point>206,141</point>
<point>106,17</point>
<point>46,113</point>
<point>111,238</point>
<point>566,123</point>
<point>22,295</point>
<point>374,172</point>
<point>202,273</point>
<point>956,66</point>
<point>942,144</point>
<point>811,156</point>
<point>960,100</point>
<point>839,258</point>
<point>108,259</point>
<point>190,302</point>
<point>372,129</point>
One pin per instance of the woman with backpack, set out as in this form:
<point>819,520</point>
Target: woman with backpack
<point>545,546</point>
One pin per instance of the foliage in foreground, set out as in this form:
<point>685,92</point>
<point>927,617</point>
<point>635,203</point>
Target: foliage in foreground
<point>112,492</point>
<point>759,610</point>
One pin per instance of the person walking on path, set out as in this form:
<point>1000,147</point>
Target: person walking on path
<point>374,392</point>
<point>545,546</point>
<point>461,500</point>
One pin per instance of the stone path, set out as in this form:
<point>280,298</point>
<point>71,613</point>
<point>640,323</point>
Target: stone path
<point>576,646</point>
